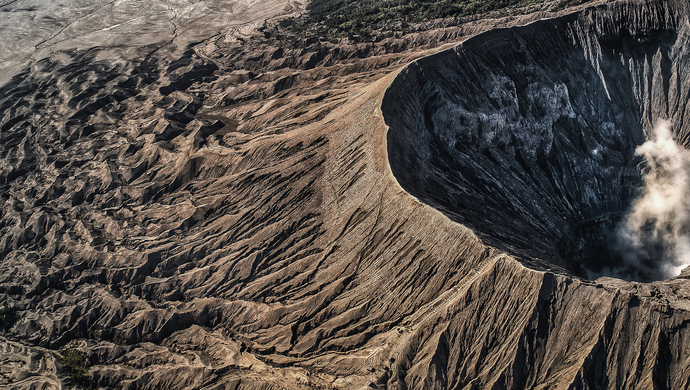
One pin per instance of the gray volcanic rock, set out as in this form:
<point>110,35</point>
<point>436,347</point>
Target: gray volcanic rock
<point>528,135</point>
<point>226,217</point>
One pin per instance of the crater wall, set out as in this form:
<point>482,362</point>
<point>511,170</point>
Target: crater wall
<point>527,135</point>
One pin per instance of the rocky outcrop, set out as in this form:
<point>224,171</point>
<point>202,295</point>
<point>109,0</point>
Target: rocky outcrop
<point>193,225</point>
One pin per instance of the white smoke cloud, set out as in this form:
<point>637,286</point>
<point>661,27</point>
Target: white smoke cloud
<point>654,238</point>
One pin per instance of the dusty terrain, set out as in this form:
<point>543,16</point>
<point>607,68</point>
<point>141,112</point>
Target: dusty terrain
<point>224,215</point>
<point>35,29</point>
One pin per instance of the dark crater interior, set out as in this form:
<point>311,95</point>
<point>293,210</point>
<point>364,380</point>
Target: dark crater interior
<point>528,135</point>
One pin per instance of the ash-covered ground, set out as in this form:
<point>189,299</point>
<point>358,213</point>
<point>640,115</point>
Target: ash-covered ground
<point>190,197</point>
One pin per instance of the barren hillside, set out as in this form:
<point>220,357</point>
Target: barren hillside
<point>224,208</point>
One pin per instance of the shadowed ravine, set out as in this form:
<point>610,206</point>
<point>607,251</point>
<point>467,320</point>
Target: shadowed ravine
<point>528,135</point>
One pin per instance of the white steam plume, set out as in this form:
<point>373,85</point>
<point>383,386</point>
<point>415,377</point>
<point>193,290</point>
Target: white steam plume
<point>654,238</point>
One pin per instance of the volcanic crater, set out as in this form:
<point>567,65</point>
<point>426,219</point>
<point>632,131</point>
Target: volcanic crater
<point>527,135</point>
<point>223,215</point>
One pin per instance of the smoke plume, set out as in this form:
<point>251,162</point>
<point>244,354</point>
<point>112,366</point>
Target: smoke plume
<point>654,238</point>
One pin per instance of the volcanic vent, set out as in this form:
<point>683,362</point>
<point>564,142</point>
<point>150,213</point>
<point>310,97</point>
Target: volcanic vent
<point>528,135</point>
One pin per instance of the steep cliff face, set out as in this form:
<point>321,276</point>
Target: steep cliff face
<point>528,135</point>
<point>182,222</point>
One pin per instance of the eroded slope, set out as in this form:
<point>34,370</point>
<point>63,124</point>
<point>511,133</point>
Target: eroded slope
<point>227,219</point>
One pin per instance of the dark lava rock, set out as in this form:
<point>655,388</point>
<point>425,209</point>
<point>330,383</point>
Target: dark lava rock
<point>528,135</point>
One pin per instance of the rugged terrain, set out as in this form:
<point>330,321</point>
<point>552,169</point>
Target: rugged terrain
<point>231,212</point>
<point>528,135</point>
